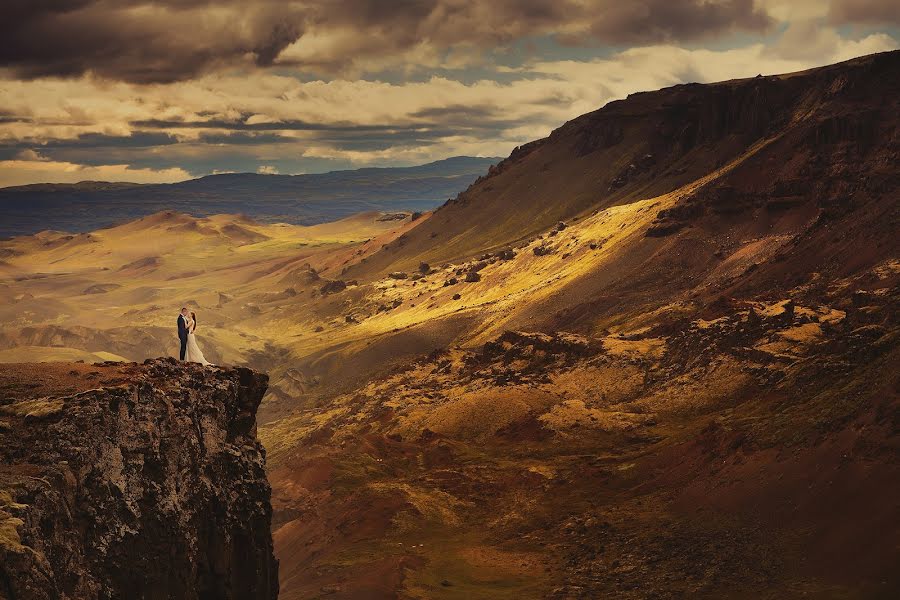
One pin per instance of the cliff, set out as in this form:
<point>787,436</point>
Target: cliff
<point>133,481</point>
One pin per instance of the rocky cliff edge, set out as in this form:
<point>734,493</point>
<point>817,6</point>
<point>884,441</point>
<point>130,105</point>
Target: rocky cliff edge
<point>141,481</point>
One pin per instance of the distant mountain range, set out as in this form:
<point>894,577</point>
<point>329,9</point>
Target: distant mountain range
<point>300,199</point>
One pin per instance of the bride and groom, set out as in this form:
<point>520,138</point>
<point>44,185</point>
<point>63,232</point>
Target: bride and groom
<point>190,351</point>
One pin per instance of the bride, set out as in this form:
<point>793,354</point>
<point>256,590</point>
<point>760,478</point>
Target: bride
<point>193,353</point>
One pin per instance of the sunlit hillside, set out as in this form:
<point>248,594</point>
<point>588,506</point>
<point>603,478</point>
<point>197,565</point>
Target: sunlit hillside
<point>118,291</point>
<point>651,355</point>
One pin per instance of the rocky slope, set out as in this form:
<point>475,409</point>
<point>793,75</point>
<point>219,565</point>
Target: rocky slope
<point>582,379</point>
<point>749,454</point>
<point>823,128</point>
<point>133,481</point>
<point>650,356</point>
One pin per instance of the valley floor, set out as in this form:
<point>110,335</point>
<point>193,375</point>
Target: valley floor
<point>439,433</point>
<point>748,456</point>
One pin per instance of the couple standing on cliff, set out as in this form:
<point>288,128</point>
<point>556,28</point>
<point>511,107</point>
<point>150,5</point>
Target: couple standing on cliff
<point>190,351</point>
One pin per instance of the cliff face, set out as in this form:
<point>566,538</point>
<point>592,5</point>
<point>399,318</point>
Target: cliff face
<point>133,481</point>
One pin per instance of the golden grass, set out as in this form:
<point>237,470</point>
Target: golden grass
<point>572,414</point>
<point>9,525</point>
<point>256,299</point>
<point>138,275</point>
<point>38,408</point>
<point>433,505</point>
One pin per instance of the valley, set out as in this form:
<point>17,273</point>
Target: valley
<point>651,355</point>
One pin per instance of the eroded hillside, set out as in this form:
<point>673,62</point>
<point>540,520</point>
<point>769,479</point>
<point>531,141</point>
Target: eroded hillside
<point>653,143</point>
<point>114,294</point>
<point>651,355</point>
<point>698,399</point>
<point>751,453</point>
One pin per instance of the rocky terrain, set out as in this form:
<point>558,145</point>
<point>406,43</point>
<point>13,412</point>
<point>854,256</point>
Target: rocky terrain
<point>673,383</point>
<point>651,355</point>
<point>754,450</point>
<point>133,481</point>
<point>818,138</point>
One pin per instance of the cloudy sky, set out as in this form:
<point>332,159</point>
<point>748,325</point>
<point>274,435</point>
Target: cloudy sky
<point>165,90</point>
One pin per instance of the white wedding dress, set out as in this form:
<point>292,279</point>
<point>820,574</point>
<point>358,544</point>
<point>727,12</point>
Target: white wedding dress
<point>193,353</point>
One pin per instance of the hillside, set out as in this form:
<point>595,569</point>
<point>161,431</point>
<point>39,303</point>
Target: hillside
<point>114,293</point>
<point>298,199</point>
<point>593,374</point>
<point>680,386</point>
<point>653,143</point>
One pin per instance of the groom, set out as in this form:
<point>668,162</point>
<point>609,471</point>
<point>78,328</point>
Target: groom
<point>183,331</point>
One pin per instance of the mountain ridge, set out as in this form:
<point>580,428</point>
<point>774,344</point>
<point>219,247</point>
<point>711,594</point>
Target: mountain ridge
<point>592,380</point>
<point>99,184</point>
<point>645,145</point>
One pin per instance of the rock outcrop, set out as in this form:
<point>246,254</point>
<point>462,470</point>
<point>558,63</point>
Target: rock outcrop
<point>133,481</point>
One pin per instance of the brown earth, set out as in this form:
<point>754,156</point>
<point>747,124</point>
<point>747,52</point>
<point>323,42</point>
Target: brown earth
<point>649,356</point>
<point>133,481</point>
<point>723,466</point>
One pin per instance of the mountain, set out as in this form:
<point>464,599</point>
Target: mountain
<point>300,199</point>
<point>648,356</point>
<point>652,355</point>
<point>653,143</point>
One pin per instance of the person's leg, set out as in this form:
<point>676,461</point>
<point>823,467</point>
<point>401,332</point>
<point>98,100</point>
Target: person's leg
<point>183,348</point>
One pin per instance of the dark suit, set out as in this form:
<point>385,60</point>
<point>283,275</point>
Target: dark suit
<point>182,334</point>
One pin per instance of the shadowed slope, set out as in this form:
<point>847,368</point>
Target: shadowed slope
<point>585,380</point>
<point>648,144</point>
<point>683,389</point>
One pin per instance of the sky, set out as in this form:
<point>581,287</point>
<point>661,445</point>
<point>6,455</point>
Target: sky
<point>166,90</point>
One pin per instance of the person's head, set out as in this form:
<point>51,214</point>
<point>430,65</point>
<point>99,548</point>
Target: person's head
<point>184,311</point>
<point>193,315</point>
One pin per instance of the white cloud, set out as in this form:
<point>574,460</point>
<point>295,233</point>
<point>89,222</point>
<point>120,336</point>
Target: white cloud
<point>267,170</point>
<point>792,10</point>
<point>808,41</point>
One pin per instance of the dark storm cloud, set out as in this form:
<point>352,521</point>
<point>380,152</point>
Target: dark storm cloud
<point>461,113</point>
<point>88,143</point>
<point>138,139</point>
<point>865,11</point>
<point>469,119</point>
<point>142,41</point>
<point>149,41</point>
<point>423,122</point>
<point>157,149</point>
<point>82,148</point>
<point>244,139</point>
<point>668,21</point>
<point>11,116</point>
